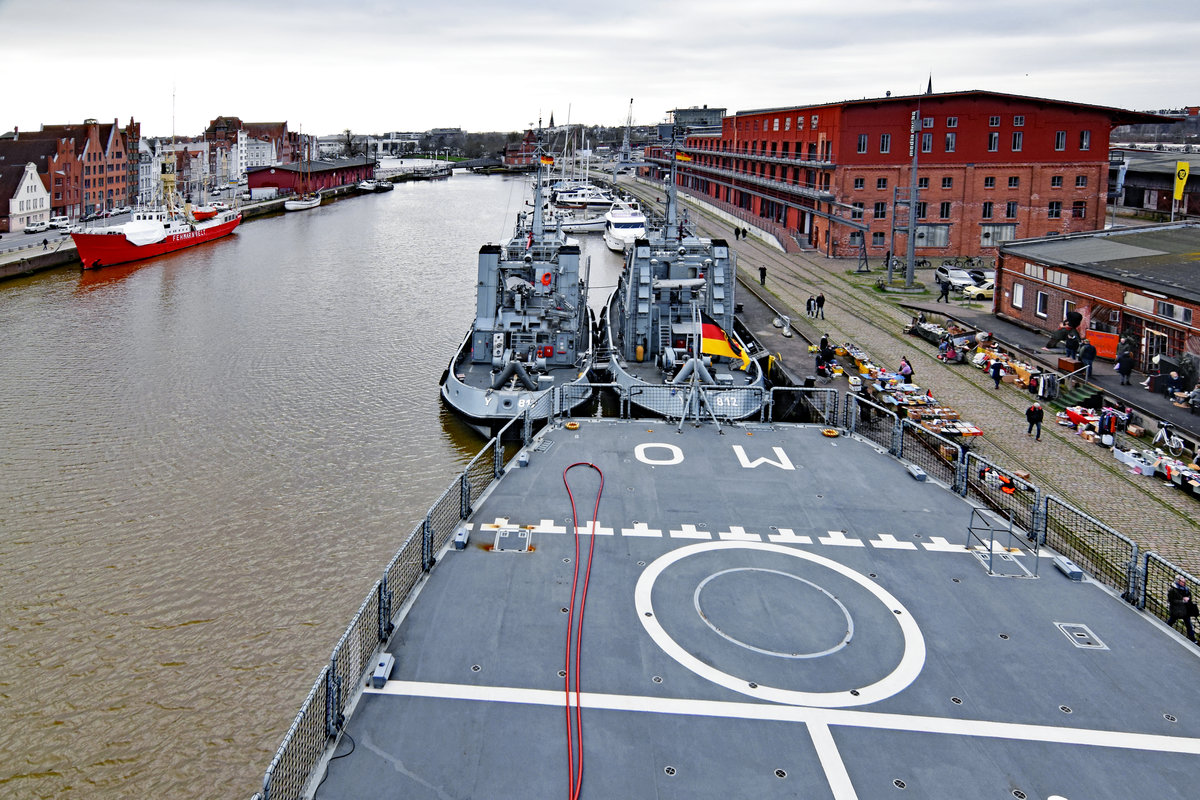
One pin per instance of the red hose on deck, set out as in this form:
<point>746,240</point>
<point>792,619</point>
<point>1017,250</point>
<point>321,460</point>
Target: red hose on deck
<point>575,629</point>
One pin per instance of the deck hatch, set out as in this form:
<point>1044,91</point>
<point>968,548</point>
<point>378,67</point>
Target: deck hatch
<point>512,539</point>
<point>1081,636</point>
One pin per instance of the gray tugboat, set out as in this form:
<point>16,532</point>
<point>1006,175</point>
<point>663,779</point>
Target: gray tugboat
<point>532,332</point>
<point>670,336</point>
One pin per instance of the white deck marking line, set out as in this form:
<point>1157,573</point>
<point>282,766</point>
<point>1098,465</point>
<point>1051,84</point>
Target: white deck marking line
<point>594,527</point>
<point>839,539</point>
<point>940,544</point>
<point>889,542</point>
<point>773,712</point>
<point>640,529</point>
<point>690,532</point>
<point>548,526</point>
<point>788,536</point>
<point>737,533</point>
<point>831,761</point>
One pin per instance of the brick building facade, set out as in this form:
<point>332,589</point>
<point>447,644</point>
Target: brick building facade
<point>991,167</point>
<point>1140,283</point>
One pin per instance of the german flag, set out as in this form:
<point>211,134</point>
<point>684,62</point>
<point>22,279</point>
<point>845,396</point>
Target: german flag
<point>715,342</point>
<point>548,161</point>
<point>681,156</point>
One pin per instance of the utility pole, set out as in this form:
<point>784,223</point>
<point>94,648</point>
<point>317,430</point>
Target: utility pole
<point>910,248</point>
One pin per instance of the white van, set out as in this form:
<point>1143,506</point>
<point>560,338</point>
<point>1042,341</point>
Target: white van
<point>60,222</point>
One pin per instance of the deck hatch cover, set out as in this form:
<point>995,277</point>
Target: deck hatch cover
<point>512,539</point>
<point>1081,636</point>
<point>543,445</point>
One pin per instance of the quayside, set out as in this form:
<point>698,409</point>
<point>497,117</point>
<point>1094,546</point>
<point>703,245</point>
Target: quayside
<point>772,609</point>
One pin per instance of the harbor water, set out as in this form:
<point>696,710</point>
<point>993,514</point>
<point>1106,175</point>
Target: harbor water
<point>207,461</point>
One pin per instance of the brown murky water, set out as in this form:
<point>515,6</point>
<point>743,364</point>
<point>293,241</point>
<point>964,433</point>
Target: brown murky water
<point>205,462</point>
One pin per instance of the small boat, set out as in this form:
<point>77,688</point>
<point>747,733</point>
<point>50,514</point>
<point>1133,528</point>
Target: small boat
<point>384,186</point>
<point>368,185</point>
<point>201,213</point>
<point>585,196</point>
<point>581,222</point>
<point>623,223</point>
<point>302,202</point>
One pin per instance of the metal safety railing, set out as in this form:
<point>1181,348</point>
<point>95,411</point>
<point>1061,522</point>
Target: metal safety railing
<point>1104,553</point>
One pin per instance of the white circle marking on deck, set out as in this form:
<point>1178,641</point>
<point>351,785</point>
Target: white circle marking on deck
<point>911,662</point>
<point>676,454</point>
<point>827,651</point>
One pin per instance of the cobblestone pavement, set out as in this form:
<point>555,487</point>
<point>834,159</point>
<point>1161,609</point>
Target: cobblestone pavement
<point>1157,517</point>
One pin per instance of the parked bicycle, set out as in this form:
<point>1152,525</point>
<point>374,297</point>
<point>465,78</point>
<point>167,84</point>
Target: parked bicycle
<point>1167,437</point>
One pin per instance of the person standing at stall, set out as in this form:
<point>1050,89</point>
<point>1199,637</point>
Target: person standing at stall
<point>1181,606</point>
<point>1087,354</point>
<point>1034,416</point>
<point>997,371</point>
<point>1125,366</point>
<point>905,370</point>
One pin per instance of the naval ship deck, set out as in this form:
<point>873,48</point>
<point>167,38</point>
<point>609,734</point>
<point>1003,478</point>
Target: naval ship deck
<point>769,613</point>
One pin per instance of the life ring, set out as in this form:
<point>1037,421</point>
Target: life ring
<point>572,426</point>
<point>830,432</point>
<point>546,279</point>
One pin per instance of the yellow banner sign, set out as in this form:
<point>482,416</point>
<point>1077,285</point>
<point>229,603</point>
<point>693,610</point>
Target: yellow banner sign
<point>1181,176</point>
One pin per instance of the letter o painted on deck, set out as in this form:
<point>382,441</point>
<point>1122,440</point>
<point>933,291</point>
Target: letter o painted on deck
<point>675,458</point>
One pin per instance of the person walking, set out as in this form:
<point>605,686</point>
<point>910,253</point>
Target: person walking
<point>820,306</point>
<point>811,306</point>
<point>762,276</point>
<point>944,285</point>
<point>745,233</point>
<point>905,370</point>
<point>1087,354</point>
<point>1125,366</point>
<point>997,371</point>
<point>1180,606</point>
<point>1034,416</point>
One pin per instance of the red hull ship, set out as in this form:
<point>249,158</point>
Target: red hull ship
<point>149,234</point>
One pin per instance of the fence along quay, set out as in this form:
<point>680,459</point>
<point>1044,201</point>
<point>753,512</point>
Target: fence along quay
<point>1005,504</point>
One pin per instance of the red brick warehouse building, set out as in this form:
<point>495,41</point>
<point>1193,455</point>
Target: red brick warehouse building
<point>991,167</point>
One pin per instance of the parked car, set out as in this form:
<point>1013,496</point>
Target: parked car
<point>983,291</point>
<point>61,223</point>
<point>959,278</point>
<point>37,227</point>
<point>980,276</point>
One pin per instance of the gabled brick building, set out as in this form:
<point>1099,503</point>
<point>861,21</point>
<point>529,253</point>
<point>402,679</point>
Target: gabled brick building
<point>991,167</point>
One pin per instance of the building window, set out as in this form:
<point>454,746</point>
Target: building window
<point>993,142</point>
<point>862,143</point>
<point>877,239</point>
<point>1018,139</point>
<point>776,123</point>
<point>1060,140</point>
<point>993,122</point>
<point>881,183</point>
<point>950,142</point>
<point>1018,296</point>
<point>813,123</point>
<point>926,142</point>
<point>856,237</point>
<point>1079,209</point>
<point>1018,121</point>
<point>944,211</point>
<point>1043,303</point>
<point>856,210</point>
<point>951,122</point>
<point>1014,182</point>
<point>1056,181</point>
<point>922,183</point>
<point>989,182</point>
<point>994,235</point>
<point>885,143</point>
<point>881,210</point>
<point>787,123</point>
<point>859,183</point>
<point>947,183</point>
<point>1055,210</point>
<point>987,210</point>
<point>922,209</point>
<point>1080,181</point>
<point>927,122</point>
<point>1010,209</point>
<point>1085,140</point>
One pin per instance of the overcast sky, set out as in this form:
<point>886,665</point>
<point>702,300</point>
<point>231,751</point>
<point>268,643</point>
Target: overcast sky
<point>374,66</point>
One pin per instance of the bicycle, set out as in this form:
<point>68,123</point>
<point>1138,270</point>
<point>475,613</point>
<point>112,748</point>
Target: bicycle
<point>1167,437</point>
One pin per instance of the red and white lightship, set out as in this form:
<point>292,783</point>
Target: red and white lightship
<point>150,233</point>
